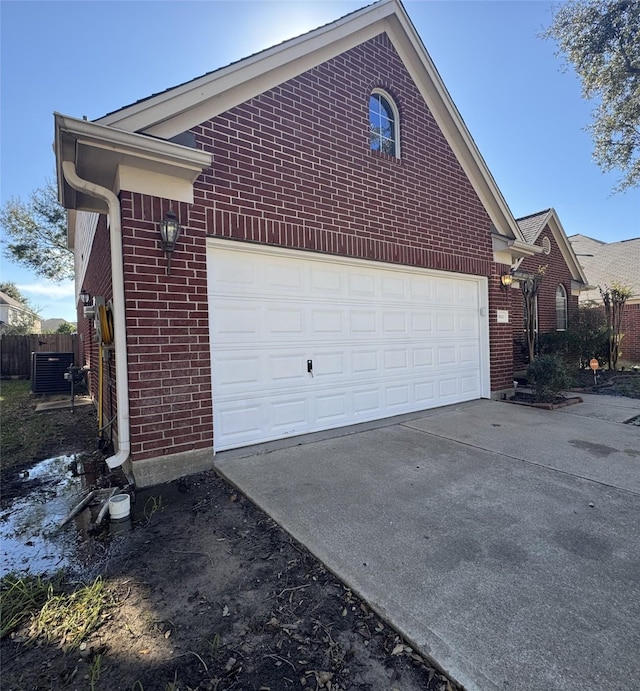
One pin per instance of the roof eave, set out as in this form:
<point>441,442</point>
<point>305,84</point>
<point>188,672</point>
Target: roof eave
<point>102,154</point>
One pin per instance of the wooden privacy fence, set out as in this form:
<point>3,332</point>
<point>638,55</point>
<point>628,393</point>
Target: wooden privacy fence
<point>15,351</point>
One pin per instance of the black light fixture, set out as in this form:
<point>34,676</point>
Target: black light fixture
<point>506,280</point>
<point>169,233</point>
<point>85,298</point>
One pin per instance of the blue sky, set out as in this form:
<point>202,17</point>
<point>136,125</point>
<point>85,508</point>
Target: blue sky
<point>89,58</point>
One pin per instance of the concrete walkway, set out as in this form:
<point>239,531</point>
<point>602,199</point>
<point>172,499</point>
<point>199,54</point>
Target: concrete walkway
<point>503,541</point>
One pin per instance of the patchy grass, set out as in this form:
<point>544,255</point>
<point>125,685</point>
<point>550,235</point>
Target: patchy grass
<point>19,440</point>
<point>52,611</point>
<point>20,597</point>
<point>27,437</point>
<point>67,618</point>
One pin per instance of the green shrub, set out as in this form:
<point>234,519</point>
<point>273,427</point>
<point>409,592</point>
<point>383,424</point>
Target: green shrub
<point>554,343</point>
<point>588,335</point>
<point>548,375</point>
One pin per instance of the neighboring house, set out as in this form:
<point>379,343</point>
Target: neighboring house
<point>605,264</point>
<point>341,252</point>
<point>561,285</point>
<point>14,314</point>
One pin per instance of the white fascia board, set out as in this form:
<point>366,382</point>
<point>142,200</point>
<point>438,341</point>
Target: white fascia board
<point>177,110</point>
<point>425,75</point>
<point>565,247</point>
<point>133,144</point>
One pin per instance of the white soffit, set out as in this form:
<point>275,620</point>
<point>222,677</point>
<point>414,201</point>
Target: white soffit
<point>106,156</point>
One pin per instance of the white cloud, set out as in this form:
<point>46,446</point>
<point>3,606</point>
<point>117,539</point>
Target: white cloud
<point>54,291</point>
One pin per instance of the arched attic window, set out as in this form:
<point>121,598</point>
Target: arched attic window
<point>384,124</point>
<point>561,308</point>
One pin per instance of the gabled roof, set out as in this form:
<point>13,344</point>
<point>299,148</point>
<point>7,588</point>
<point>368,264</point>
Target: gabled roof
<point>531,226</point>
<point>171,112</point>
<point>584,245</point>
<point>12,302</point>
<point>609,263</point>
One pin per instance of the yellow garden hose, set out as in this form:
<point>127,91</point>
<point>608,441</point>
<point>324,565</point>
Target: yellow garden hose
<point>105,316</point>
<point>101,433</point>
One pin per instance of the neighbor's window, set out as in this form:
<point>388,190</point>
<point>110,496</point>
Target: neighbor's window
<point>383,124</point>
<point>561,308</point>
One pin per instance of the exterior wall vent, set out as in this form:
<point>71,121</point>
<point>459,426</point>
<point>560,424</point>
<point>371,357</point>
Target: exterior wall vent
<point>48,370</point>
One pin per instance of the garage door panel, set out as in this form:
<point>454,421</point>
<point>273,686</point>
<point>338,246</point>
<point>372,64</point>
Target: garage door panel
<point>394,322</point>
<point>424,393</point>
<point>364,362</point>
<point>366,402</point>
<point>362,284</point>
<point>239,371</point>
<point>327,282</point>
<point>422,357</point>
<point>232,318</point>
<point>445,323</point>
<point>327,321</point>
<point>383,340</point>
<point>397,396</point>
<point>470,385</point>
<point>421,322</point>
<point>331,407</point>
<point>287,413</point>
<point>468,355</point>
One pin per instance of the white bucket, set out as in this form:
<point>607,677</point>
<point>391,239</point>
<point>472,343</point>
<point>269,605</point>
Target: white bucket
<point>119,507</point>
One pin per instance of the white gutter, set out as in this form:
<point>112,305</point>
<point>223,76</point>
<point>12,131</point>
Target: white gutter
<point>120,334</point>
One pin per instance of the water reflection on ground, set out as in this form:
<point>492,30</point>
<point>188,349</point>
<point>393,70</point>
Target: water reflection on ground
<point>31,537</point>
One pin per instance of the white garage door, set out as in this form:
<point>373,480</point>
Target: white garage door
<point>303,342</point>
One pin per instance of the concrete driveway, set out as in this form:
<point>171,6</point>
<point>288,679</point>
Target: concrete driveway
<point>503,541</point>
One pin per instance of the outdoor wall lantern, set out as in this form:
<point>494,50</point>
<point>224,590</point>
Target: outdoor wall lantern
<point>85,298</point>
<point>506,280</point>
<point>169,233</point>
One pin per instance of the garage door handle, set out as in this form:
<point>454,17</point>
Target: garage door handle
<point>310,367</point>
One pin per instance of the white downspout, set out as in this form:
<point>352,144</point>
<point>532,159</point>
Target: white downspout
<point>120,334</point>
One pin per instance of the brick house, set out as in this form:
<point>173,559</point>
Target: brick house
<point>604,264</point>
<point>561,286</point>
<point>341,251</point>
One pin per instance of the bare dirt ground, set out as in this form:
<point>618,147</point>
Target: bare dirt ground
<point>208,593</point>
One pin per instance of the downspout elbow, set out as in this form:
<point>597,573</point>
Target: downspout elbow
<point>122,379</point>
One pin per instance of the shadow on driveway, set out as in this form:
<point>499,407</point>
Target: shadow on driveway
<point>503,541</point>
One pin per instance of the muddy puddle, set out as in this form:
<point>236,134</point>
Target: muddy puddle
<point>31,535</point>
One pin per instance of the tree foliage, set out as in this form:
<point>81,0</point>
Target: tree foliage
<point>11,289</point>
<point>588,334</point>
<point>66,328</point>
<point>36,234</point>
<point>601,39</point>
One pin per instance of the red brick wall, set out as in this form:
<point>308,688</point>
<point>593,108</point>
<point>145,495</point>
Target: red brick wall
<point>167,331</point>
<point>293,167</point>
<point>557,273</point>
<point>631,329</point>
<point>501,335</point>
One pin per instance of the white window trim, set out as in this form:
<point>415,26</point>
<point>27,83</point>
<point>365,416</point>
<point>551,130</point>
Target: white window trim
<point>566,307</point>
<point>396,116</point>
